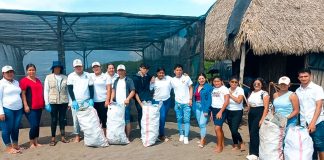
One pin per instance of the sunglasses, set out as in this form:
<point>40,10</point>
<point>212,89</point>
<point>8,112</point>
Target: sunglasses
<point>236,82</point>
<point>256,84</point>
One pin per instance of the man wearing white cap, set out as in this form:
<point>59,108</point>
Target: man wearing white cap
<point>122,92</point>
<point>286,102</point>
<point>10,110</point>
<point>102,90</point>
<point>80,87</point>
<point>311,97</point>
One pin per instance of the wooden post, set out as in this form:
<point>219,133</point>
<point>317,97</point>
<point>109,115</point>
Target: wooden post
<point>242,64</point>
<point>60,44</point>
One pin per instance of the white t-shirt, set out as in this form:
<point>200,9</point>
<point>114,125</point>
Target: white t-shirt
<point>233,106</point>
<point>181,89</point>
<point>10,95</point>
<point>218,98</point>
<point>162,88</point>
<point>112,78</point>
<point>307,100</point>
<point>121,91</point>
<point>100,83</point>
<point>80,86</point>
<point>255,99</point>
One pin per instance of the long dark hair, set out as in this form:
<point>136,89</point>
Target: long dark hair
<point>263,83</point>
<point>30,65</point>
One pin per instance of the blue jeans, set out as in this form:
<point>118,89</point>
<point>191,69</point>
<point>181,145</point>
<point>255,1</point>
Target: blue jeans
<point>10,127</point>
<point>34,117</point>
<point>201,119</point>
<point>183,115</point>
<point>76,125</point>
<point>128,114</point>
<point>163,114</point>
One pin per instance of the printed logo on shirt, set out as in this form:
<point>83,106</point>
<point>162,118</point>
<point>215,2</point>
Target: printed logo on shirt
<point>216,94</point>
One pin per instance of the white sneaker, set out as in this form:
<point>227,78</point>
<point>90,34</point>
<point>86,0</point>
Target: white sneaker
<point>252,157</point>
<point>186,140</point>
<point>181,138</point>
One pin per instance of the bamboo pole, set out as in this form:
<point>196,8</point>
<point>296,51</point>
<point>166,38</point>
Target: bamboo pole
<point>242,63</point>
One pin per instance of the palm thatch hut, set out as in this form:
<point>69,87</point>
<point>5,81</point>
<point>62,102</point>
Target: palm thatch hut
<point>274,37</point>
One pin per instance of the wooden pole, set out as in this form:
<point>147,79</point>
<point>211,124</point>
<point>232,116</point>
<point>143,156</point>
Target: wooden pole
<point>242,64</point>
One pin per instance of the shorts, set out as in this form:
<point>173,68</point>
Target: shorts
<point>127,114</point>
<point>318,137</point>
<point>218,122</point>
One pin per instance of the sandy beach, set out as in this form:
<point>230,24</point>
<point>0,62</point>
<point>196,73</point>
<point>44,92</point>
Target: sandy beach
<point>171,150</point>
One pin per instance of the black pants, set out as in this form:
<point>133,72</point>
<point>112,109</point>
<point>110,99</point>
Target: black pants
<point>234,119</point>
<point>58,113</point>
<point>255,115</point>
<point>102,113</point>
<point>139,114</point>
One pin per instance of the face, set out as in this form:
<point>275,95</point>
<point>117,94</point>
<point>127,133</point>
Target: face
<point>160,74</point>
<point>304,78</point>
<point>96,69</point>
<point>121,73</point>
<point>217,82</point>
<point>257,85</point>
<point>111,69</point>
<point>283,87</point>
<point>57,70</point>
<point>8,75</point>
<point>234,83</point>
<point>201,80</point>
<point>78,69</point>
<point>143,70</point>
<point>178,72</point>
<point>31,72</point>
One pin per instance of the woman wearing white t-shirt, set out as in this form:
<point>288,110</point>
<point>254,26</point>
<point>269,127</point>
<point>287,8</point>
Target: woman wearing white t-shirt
<point>235,113</point>
<point>220,100</point>
<point>258,104</point>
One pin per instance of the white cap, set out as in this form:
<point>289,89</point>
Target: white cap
<point>121,66</point>
<point>7,68</point>
<point>95,64</point>
<point>284,80</point>
<point>77,62</point>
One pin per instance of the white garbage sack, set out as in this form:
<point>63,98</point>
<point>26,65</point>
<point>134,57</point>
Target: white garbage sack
<point>272,133</point>
<point>91,127</point>
<point>150,123</point>
<point>298,144</point>
<point>116,124</point>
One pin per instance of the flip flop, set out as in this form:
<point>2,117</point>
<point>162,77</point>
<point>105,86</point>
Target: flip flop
<point>52,143</point>
<point>13,151</point>
<point>65,141</point>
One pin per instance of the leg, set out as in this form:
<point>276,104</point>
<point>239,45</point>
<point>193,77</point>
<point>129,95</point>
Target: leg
<point>6,127</point>
<point>62,118</point>
<point>15,128</point>
<point>202,124</point>
<point>139,114</point>
<point>76,126</point>
<point>127,122</point>
<point>38,118</point>
<point>102,114</point>
<point>179,114</point>
<point>220,139</point>
<point>163,114</point>
<point>54,117</point>
<point>255,114</point>
<point>186,120</point>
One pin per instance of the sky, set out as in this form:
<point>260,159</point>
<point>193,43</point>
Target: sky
<point>163,7</point>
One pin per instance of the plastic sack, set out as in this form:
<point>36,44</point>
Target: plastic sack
<point>90,125</point>
<point>272,133</point>
<point>298,144</point>
<point>150,123</point>
<point>116,124</point>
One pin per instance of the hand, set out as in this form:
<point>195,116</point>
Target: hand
<point>190,102</point>
<point>141,104</point>
<point>126,101</point>
<point>91,103</point>
<point>219,115</point>
<point>2,117</point>
<point>68,107</point>
<point>26,108</point>
<point>311,128</point>
<point>260,122</point>
<point>75,105</point>
<point>48,108</point>
<point>152,79</point>
<point>107,103</point>
<point>205,114</point>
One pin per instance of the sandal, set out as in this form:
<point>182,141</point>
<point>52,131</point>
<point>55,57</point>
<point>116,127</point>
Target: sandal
<point>13,151</point>
<point>52,143</point>
<point>65,141</point>
<point>201,146</point>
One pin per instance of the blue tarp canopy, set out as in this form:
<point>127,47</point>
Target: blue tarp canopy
<point>46,31</point>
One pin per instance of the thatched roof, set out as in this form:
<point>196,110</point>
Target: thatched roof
<point>291,27</point>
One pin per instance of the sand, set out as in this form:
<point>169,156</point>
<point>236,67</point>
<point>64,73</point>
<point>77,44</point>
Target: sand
<point>171,150</point>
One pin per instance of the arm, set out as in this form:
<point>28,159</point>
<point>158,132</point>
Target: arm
<point>130,96</point>
<point>46,90</point>
<point>190,95</point>
<point>71,93</point>
<point>138,100</point>
<point>266,100</point>
<point>312,124</point>
<point>295,104</point>
<point>226,102</point>
<point>2,115</point>
<point>108,88</point>
<point>238,99</point>
<point>91,91</point>
<point>112,95</point>
<point>24,100</point>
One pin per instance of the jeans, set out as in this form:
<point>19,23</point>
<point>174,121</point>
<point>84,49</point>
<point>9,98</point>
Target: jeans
<point>201,119</point>
<point>255,115</point>
<point>183,115</point>
<point>10,127</point>
<point>234,119</point>
<point>34,116</point>
<point>139,113</point>
<point>76,126</point>
<point>163,114</point>
<point>102,113</point>
<point>58,113</point>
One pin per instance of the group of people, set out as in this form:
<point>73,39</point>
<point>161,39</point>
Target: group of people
<point>208,101</point>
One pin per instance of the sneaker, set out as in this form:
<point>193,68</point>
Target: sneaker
<point>252,157</point>
<point>181,138</point>
<point>185,140</point>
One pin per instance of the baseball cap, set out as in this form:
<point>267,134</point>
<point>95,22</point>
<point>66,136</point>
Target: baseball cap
<point>95,64</point>
<point>121,67</point>
<point>77,62</point>
<point>284,80</point>
<point>7,68</point>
